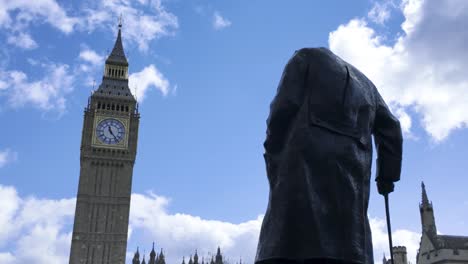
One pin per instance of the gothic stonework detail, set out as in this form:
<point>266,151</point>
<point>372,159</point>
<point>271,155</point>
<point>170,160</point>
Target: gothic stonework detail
<point>433,248</point>
<point>108,151</point>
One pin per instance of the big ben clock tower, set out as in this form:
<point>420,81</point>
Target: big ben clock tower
<point>108,150</point>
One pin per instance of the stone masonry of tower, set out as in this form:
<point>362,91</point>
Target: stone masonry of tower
<point>108,151</point>
<point>433,248</point>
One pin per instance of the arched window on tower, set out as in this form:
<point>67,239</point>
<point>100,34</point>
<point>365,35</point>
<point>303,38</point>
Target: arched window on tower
<point>99,105</point>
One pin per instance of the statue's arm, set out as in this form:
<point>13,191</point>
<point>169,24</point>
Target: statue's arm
<point>285,105</point>
<point>388,142</point>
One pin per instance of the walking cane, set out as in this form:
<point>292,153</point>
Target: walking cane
<point>387,210</point>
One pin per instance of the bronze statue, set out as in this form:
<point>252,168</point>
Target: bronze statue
<point>318,154</point>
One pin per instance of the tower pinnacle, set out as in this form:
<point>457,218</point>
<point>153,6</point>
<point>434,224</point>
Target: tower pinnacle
<point>425,200</point>
<point>152,259</point>
<point>136,257</point>
<point>117,56</point>
<point>427,213</point>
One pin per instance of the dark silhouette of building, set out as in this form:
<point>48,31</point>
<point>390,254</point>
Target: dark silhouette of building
<point>160,258</point>
<point>108,150</point>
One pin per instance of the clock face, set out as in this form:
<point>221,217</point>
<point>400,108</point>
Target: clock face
<point>110,131</point>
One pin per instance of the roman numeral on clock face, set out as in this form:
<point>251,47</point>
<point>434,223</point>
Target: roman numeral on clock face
<point>110,131</point>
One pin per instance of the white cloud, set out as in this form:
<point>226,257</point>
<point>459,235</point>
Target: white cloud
<point>180,234</point>
<point>7,258</point>
<point>47,93</point>
<point>7,156</point>
<point>220,22</point>
<point>140,82</point>
<point>421,72</point>
<point>380,12</point>
<point>405,122</point>
<point>39,231</point>
<point>401,237</point>
<point>20,14</point>
<point>10,203</point>
<point>142,22</point>
<point>22,40</point>
<point>35,230</point>
<point>91,56</point>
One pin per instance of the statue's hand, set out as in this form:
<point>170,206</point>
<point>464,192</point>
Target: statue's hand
<point>385,187</point>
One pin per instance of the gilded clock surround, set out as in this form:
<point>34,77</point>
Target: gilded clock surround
<point>123,144</point>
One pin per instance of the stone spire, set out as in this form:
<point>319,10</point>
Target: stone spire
<point>143,262</point>
<point>117,56</point>
<point>161,258</point>
<point>425,200</point>
<point>427,213</point>
<point>190,260</point>
<point>219,257</point>
<point>195,258</point>
<point>136,257</point>
<point>212,261</point>
<point>115,78</point>
<point>152,259</point>
<point>183,260</point>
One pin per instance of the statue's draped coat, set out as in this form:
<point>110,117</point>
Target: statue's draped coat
<point>318,153</point>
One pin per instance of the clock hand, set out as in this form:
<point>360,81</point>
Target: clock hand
<point>112,133</point>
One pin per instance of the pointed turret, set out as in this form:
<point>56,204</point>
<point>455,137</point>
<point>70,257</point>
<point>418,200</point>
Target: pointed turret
<point>212,261</point>
<point>136,257</point>
<point>115,79</point>
<point>425,200</point>
<point>117,56</point>
<point>143,262</point>
<point>219,257</point>
<point>183,260</point>
<point>195,258</point>
<point>190,260</point>
<point>427,213</point>
<point>152,259</point>
<point>161,258</point>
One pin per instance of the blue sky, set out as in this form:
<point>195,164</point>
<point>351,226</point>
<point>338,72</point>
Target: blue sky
<point>205,73</point>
